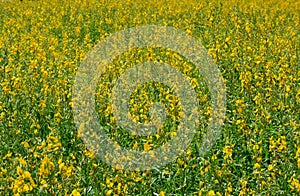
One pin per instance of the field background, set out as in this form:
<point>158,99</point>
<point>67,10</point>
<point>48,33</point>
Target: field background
<point>255,44</point>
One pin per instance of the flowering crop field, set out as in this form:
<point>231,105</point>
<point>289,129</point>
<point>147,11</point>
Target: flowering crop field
<point>255,44</point>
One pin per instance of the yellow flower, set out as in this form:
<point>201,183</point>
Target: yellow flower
<point>25,144</point>
<point>135,146</point>
<point>3,171</point>
<point>147,147</point>
<point>7,155</point>
<point>137,179</point>
<point>46,167</point>
<point>228,151</point>
<point>75,192</point>
<point>22,161</point>
<point>19,171</point>
<point>194,83</point>
<point>109,192</point>
<point>270,167</point>
<point>257,165</point>
<point>211,193</point>
<point>297,152</point>
<point>27,188</point>
<point>77,31</point>
<point>229,190</point>
<point>162,193</point>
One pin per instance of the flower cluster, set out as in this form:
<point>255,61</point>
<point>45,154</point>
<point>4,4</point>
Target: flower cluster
<point>254,43</point>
